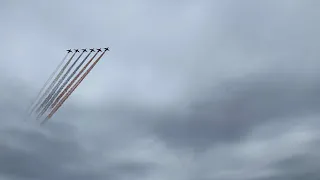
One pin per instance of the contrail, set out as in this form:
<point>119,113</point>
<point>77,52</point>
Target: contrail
<point>68,79</point>
<point>45,84</point>
<point>57,85</point>
<point>71,90</point>
<point>52,83</point>
<point>46,103</point>
<point>73,80</point>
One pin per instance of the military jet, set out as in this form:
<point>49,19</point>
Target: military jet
<point>69,50</point>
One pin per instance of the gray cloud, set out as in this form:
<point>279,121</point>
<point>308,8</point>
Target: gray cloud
<point>51,152</point>
<point>248,103</point>
<point>35,155</point>
<point>190,90</point>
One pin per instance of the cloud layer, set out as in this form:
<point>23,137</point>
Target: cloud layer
<point>203,90</point>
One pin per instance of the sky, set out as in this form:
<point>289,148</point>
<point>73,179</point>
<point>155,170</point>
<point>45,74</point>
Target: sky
<point>190,90</point>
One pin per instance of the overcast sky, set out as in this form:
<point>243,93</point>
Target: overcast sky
<point>190,90</point>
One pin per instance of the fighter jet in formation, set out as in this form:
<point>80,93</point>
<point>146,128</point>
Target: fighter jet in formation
<point>63,83</point>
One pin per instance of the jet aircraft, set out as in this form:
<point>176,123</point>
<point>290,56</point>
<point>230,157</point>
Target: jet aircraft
<point>36,107</point>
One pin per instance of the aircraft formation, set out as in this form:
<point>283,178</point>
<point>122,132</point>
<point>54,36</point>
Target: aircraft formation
<point>63,81</point>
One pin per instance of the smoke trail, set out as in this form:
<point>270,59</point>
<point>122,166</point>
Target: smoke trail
<point>68,79</point>
<point>57,85</point>
<point>45,84</point>
<point>71,90</point>
<point>73,80</point>
<point>52,83</point>
<point>46,104</point>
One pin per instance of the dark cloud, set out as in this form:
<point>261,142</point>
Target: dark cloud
<point>304,166</point>
<point>38,156</point>
<point>229,116</point>
<point>30,151</point>
<point>42,157</point>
